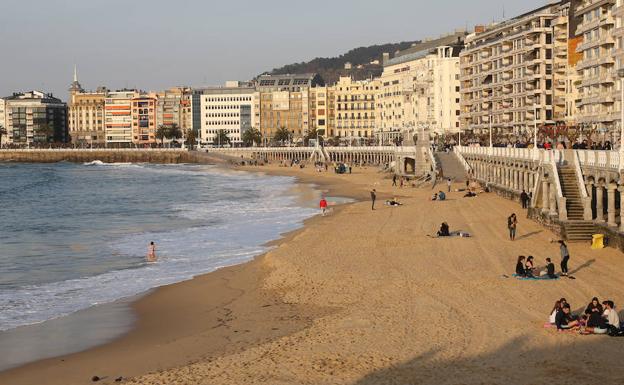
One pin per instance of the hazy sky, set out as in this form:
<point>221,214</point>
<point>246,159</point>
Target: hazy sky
<point>155,44</point>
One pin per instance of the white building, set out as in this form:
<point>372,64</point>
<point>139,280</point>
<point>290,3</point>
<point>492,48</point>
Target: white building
<point>420,87</point>
<point>118,117</point>
<point>231,109</point>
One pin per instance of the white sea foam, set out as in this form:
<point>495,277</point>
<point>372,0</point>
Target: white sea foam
<point>228,231</point>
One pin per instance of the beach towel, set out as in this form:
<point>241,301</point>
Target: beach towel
<point>542,278</point>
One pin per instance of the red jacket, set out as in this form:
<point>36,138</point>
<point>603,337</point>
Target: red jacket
<point>323,203</point>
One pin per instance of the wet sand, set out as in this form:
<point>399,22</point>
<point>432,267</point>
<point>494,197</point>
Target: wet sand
<point>366,297</point>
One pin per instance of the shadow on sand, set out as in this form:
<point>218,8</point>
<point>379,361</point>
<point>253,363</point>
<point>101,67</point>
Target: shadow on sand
<point>574,360</point>
<point>528,235</point>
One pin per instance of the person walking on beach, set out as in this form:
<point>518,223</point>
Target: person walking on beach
<point>151,252</point>
<point>565,257</point>
<point>323,205</point>
<point>524,199</point>
<point>394,180</point>
<point>448,184</point>
<point>373,197</point>
<point>512,223</point>
<point>401,183</point>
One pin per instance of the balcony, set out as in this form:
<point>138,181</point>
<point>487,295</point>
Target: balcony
<point>559,101</point>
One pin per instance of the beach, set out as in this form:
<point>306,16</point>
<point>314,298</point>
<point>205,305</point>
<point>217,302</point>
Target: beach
<point>367,297</point>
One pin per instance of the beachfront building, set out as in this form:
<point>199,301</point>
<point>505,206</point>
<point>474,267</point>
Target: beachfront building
<point>354,103</point>
<point>143,115</point>
<point>173,107</point>
<point>420,87</point>
<point>118,118</point>
<point>86,114</point>
<point>285,103</point>
<point>319,109</point>
<point>232,109</point>
<point>509,72</point>
<point>599,97</point>
<point>3,123</point>
<point>34,117</point>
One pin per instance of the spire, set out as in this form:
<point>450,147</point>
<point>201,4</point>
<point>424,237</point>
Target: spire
<point>75,85</point>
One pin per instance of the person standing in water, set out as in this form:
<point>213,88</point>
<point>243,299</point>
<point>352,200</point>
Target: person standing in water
<point>151,252</point>
<point>323,205</point>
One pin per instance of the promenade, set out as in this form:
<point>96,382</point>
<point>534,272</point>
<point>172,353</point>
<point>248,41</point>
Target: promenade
<point>370,299</point>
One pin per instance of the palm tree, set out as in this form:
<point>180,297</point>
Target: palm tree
<point>161,134</point>
<point>191,137</point>
<point>3,132</point>
<point>282,135</point>
<point>312,134</point>
<point>221,138</point>
<point>252,136</point>
<point>174,131</point>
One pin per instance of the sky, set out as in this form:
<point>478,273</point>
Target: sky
<point>157,44</point>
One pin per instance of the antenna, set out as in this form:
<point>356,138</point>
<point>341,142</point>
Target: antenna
<point>503,12</point>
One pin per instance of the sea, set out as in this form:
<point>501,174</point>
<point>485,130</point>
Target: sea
<point>73,236</point>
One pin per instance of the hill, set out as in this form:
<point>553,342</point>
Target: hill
<point>365,62</point>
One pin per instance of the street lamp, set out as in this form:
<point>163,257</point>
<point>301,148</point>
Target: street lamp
<point>491,145</point>
<point>534,129</point>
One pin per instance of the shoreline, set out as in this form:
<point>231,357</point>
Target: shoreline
<point>140,306</point>
<point>365,297</point>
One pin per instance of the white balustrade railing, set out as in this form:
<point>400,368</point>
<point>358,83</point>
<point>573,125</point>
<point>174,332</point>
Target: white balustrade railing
<point>601,159</point>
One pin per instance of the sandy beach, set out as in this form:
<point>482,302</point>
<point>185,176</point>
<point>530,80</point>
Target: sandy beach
<point>366,297</point>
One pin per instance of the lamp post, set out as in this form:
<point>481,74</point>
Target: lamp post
<point>621,75</point>
<point>535,152</point>
<point>491,145</point>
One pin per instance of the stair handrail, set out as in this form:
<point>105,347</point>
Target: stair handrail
<point>555,172</point>
<point>579,175</point>
<point>457,151</point>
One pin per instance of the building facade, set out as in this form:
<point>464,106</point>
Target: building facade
<point>86,114</point>
<point>144,123</point>
<point>233,110</point>
<point>118,118</point>
<point>599,99</point>
<point>34,117</point>
<point>354,103</point>
<point>174,107</point>
<point>509,75</point>
<point>420,87</point>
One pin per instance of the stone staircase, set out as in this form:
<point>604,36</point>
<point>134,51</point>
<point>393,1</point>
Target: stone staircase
<point>575,228</point>
<point>451,167</point>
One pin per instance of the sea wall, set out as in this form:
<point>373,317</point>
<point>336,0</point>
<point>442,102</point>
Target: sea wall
<point>110,156</point>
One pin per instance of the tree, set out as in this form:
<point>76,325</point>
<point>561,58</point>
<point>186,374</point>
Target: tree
<point>221,138</point>
<point>3,132</point>
<point>161,134</point>
<point>191,137</point>
<point>282,135</point>
<point>252,136</point>
<point>174,131</point>
<point>312,134</point>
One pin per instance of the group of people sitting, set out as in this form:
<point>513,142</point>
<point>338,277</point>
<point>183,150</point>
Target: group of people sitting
<point>598,318</point>
<point>525,268</point>
<point>439,196</point>
<point>393,202</point>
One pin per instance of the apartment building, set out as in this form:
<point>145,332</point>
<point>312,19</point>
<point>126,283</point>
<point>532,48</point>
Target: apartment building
<point>420,87</point>
<point>144,122</point>
<point>599,99</point>
<point>118,118</point>
<point>173,106</point>
<point>86,114</point>
<point>233,109</point>
<point>319,109</point>
<point>512,73</point>
<point>354,103</point>
<point>3,123</point>
<point>34,117</point>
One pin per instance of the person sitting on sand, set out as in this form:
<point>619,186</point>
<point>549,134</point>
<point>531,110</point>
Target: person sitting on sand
<point>470,194</point>
<point>596,324</point>
<point>434,197</point>
<point>553,313</point>
<point>441,196</point>
<point>594,307</point>
<point>520,267</point>
<point>529,266</point>
<point>564,320</point>
<point>613,320</point>
<point>550,269</point>
<point>151,252</point>
<point>444,230</point>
